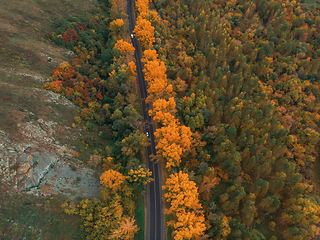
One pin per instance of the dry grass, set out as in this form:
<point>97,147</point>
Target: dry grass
<point>27,58</point>
<point>24,216</point>
<point>23,27</point>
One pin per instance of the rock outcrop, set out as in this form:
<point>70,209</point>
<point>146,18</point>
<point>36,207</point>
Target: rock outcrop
<point>41,165</point>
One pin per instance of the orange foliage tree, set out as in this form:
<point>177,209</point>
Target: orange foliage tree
<point>116,25</point>
<point>63,72</point>
<point>150,55</point>
<point>173,140</point>
<point>124,47</point>
<point>163,111</point>
<point>112,180</point>
<point>126,230</point>
<point>54,86</point>
<point>142,5</point>
<point>144,31</point>
<point>152,16</point>
<point>62,76</point>
<point>182,195</point>
<point>155,75</point>
<point>132,67</point>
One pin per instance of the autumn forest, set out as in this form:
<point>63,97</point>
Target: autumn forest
<point>234,89</point>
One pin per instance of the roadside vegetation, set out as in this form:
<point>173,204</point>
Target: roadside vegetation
<point>101,80</point>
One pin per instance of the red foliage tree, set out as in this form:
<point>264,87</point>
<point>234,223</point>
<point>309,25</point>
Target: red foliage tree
<point>69,35</point>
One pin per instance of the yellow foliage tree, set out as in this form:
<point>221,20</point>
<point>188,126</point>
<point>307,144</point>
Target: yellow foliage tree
<point>152,16</point>
<point>142,5</point>
<point>150,55</point>
<point>140,175</point>
<point>163,111</point>
<point>182,194</point>
<point>144,31</point>
<point>173,140</point>
<point>155,75</point>
<point>154,70</point>
<point>116,25</point>
<point>132,67</point>
<point>189,225</point>
<point>124,47</point>
<point>186,137</point>
<point>112,180</point>
<point>168,145</point>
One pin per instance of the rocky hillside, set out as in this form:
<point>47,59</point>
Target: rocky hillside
<point>38,146</point>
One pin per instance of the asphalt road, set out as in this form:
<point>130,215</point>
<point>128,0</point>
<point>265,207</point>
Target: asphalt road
<point>155,229</point>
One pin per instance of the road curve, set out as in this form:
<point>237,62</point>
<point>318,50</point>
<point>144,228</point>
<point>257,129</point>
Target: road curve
<point>155,229</point>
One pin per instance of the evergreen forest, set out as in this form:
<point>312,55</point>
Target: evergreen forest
<point>245,74</point>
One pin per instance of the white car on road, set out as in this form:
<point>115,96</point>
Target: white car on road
<point>131,35</point>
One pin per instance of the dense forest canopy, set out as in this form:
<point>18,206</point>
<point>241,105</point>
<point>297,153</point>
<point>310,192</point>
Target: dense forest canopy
<point>246,77</point>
